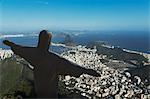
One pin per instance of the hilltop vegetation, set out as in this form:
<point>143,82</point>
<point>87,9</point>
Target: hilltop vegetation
<point>9,75</point>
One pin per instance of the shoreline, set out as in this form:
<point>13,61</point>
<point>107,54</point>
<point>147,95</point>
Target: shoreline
<point>146,55</point>
<point>8,52</point>
<point>127,50</point>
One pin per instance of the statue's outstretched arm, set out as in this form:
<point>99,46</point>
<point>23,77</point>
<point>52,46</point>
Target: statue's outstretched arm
<point>24,52</point>
<point>17,49</point>
<point>67,67</point>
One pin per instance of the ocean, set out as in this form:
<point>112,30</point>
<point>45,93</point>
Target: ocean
<point>131,40</point>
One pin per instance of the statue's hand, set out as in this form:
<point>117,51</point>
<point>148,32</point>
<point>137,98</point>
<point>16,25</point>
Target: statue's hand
<point>8,43</point>
<point>14,47</point>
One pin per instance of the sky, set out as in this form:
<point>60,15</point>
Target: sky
<point>74,14</point>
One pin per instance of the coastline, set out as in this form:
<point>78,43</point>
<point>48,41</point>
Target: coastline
<point>146,55</point>
<point>6,53</point>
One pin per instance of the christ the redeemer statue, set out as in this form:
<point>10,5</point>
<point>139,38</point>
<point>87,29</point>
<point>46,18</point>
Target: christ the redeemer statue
<point>47,65</point>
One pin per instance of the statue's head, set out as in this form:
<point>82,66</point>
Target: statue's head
<point>44,40</point>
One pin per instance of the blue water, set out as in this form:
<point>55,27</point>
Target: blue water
<point>137,41</point>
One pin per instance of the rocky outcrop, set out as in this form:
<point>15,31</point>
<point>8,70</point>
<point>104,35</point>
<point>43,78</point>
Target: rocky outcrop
<point>5,54</point>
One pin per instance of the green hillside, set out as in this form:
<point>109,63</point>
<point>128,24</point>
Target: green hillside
<point>10,72</point>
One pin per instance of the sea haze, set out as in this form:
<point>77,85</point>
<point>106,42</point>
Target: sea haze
<point>132,40</point>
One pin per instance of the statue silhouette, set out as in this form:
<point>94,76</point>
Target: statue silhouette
<point>47,65</point>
